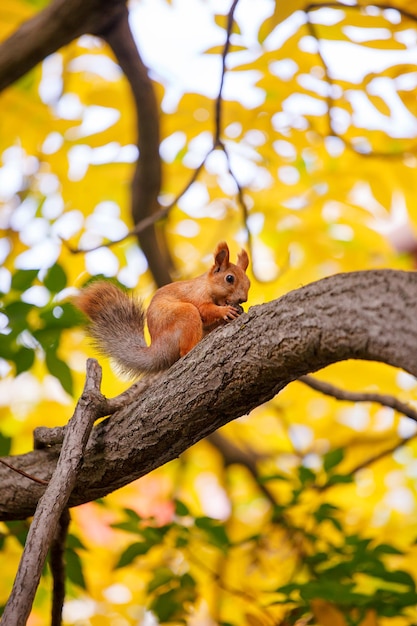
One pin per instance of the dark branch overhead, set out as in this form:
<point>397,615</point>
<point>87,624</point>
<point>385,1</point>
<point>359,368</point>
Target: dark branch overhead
<point>57,25</point>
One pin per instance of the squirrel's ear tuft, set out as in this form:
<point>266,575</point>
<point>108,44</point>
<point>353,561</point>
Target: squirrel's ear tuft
<point>243,260</point>
<point>221,257</point>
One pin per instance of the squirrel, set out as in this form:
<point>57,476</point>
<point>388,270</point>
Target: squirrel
<point>179,315</point>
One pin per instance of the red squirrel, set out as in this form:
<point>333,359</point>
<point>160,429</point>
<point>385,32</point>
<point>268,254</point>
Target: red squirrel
<point>179,315</point>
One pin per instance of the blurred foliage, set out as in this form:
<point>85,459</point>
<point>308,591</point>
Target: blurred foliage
<point>315,172</point>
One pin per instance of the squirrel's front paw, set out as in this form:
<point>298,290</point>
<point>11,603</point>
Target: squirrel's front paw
<point>231,312</point>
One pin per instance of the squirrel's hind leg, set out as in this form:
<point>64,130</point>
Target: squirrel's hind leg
<point>191,331</point>
<point>174,329</point>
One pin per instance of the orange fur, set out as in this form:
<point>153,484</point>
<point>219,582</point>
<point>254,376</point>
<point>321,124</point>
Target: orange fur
<point>178,317</point>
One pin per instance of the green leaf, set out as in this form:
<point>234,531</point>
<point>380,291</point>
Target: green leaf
<point>332,590</point>
<point>19,530</point>
<point>340,570</point>
<point>60,370</point>
<point>5,444</point>
<point>7,346</point>
<point>134,550</point>
<point>356,540</point>
<point>17,313</point>
<point>306,475</point>
<point>172,605</point>
<point>287,590</point>
<point>74,542</point>
<point>385,548</point>
<point>181,509</point>
<point>400,577</point>
<point>390,603</point>
<point>161,577</point>
<point>339,479</point>
<point>182,536</point>
<point>215,532</point>
<point>74,568</point>
<point>132,524</point>
<point>23,279</point>
<point>155,534</point>
<point>325,510</point>
<point>55,279</point>
<point>63,315</point>
<point>317,558</point>
<point>166,606</point>
<point>23,359</point>
<point>332,458</point>
<point>271,477</point>
<point>187,581</point>
<point>48,338</point>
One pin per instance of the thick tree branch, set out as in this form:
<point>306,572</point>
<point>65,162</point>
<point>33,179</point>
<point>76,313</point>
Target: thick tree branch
<point>146,183</point>
<point>367,315</point>
<point>57,25</point>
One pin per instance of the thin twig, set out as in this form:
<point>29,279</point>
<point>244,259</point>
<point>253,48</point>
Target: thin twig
<point>247,458</point>
<point>330,101</point>
<point>241,201</point>
<point>142,225</point>
<point>40,481</point>
<point>352,396</point>
<point>219,99</point>
<point>123,54</point>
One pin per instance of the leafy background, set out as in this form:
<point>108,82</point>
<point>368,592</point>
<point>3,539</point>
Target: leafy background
<point>309,161</point>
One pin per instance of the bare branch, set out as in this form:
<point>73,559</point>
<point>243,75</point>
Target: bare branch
<point>57,563</point>
<point>219,99</point>
<point>58,24</point>
<point>349,396</point>
<point>332,128</point>
<point>217,139</point>
<point>352,396</point>
<point>22,473</point>
<point>233,454</point>
<point>53,502</point>
<point>146,183</point>
<point>146,222</point>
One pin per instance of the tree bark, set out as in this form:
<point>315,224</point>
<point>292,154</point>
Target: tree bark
<point>57,25</point>
<point>368,315</point>
<point>49,511</point>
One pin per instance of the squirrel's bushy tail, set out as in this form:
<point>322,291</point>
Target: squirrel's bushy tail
<point>117,324</point>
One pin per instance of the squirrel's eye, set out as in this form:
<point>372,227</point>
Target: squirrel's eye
<point>230,279</point>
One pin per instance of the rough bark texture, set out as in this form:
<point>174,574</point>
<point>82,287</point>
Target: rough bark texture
<point>367,315</point>
<point>51,506</point>
<point>56,26</point>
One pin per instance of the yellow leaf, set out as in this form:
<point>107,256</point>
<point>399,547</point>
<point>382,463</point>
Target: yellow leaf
<point>281,12</point>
